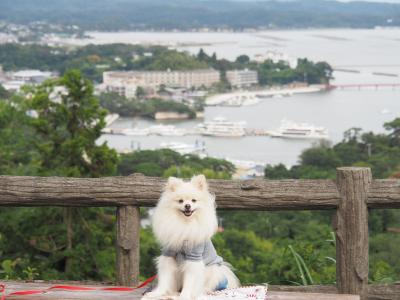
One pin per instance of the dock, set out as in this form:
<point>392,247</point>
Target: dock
<point>183,132</point>
<point>360,86</point>
<point>247,98</point>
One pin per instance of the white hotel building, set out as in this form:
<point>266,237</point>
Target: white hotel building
<point>126,82</point>
<point>242,78</point>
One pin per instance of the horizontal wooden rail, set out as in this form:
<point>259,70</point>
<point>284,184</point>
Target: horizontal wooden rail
<point>139,190</point>
<point>375,291</point>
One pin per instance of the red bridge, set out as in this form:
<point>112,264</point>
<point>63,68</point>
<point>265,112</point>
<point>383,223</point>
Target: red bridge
<point>364,85</point>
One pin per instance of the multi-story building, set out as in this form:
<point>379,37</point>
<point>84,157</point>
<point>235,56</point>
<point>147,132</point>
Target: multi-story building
<point>121,83</point>
<point>242,78</point>
<point>126,88</point>
<point>13,81</point>
<point>187,79</point>
<point>31,76</point>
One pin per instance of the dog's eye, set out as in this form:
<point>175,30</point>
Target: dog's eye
<point>180,201</point>
<point>194,200</point>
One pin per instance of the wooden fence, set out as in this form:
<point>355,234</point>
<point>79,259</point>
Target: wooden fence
<point>351,195</point>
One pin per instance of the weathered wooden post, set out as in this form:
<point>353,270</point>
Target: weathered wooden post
<point>352,231</point>
<point>128,228</point>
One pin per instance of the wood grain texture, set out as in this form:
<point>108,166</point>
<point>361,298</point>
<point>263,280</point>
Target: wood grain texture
<point>308,296</point>
<point>144,191</point>
<point>327,289</point>
<point>384,291</point>
<point>127,245</point>
<point>384,193</point>
<point>375,291</point>
<point>138,190</point>
<point>352,231</point>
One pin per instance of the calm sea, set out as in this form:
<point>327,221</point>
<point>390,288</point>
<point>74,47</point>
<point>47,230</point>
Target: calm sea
<point>366,51</point>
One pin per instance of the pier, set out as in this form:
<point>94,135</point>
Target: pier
<point>359,86</point>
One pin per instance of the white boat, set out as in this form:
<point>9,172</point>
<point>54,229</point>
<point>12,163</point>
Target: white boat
<point>292,130</point>
<point>223,128</point>
<point>233,99</point>
<point>115,131</point>
<point>126,131</point>
<point>166,130</point>
<point>242,99</point>
<point>198,148</point>
<point>251,101</point>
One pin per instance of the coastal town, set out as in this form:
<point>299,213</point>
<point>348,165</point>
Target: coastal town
<point>183,93</point>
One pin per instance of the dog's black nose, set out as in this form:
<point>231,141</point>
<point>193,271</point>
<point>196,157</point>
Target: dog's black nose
<point>187,206</point>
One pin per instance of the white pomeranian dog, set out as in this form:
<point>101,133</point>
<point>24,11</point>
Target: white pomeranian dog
<point>184,221</point>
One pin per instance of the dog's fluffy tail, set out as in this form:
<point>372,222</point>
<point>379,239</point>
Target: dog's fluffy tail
<point>233,281</point>
<point>215,274</point>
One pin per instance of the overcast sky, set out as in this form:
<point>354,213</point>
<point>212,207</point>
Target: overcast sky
<point>387,1</point>
<point>380,1</point>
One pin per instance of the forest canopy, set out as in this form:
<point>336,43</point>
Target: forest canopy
<point>185,15</point>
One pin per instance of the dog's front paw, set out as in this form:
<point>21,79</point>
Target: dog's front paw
<point>185,297</point>
<point>152,296</point>
<point>159,296</point>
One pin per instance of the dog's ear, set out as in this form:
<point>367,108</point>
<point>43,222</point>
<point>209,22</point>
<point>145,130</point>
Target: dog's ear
<point>200,182</point>
<point>172,184</point>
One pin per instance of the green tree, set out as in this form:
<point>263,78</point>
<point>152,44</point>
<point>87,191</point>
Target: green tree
<point>243,59</point>
<point>394,128</point>
<point>202,55</point>
<point>67,124</point>
<point>167,163</point>
<point>276,172</point>
<point>4,94</point>
<point>322,157</point>
<point>140,92</point>
<point>312,73</point>
<point>173,60</point>
<point>17,156</point>
<point>270,73</point>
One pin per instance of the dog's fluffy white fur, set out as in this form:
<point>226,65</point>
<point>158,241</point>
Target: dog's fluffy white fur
<point>174,226</point>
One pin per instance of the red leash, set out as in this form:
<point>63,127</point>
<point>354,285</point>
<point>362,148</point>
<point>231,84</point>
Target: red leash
<point>73,288</point>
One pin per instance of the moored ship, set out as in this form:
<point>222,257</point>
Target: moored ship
<point>221,127</point>
<point>292,130</point>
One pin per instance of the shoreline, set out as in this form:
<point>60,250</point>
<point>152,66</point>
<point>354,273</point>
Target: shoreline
<point>92,36</point>
<point>246,98</point>
<point>246,30</point>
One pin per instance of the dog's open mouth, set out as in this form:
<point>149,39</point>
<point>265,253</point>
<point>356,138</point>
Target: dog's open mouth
<point>188,213</point>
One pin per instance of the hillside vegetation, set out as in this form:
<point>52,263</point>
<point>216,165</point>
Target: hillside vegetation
<point>180,14</point>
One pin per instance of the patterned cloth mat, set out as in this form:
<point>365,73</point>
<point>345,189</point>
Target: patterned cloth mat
<point>247,292</point>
